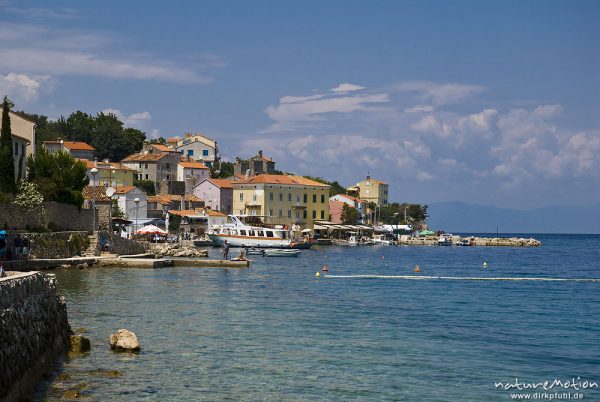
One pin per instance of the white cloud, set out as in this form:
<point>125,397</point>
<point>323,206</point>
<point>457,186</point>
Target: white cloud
<point>419,109</point>
<point>439,94</point>
<point>20,87</point>
<point>36,49</point>
<point>133,120</point>
<point>346,87</point>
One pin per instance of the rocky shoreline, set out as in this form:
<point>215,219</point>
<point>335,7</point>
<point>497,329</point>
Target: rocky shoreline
<point>472,241</point>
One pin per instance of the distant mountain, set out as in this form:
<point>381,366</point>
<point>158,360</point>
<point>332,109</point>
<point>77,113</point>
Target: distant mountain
<point>463,217</point>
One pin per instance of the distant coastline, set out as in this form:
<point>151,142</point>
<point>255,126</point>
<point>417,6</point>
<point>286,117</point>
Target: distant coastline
<point>467,218</point>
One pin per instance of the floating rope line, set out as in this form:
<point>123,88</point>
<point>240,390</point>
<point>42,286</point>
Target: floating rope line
<point>459,278</point>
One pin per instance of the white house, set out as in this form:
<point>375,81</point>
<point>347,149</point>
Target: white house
<point>216,193</point>
<point>199,147</point>
<point>24,128</point>
<point>192,173</point>
<point>360,205</point>
<point>126,197</point>
<point>79,150</point>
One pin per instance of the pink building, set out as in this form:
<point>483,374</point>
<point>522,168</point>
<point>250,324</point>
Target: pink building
<point>216,193</point>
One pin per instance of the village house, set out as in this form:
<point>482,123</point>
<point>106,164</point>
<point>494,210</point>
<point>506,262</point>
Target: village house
<point>191,173</point>
<point>258,164</point>
<point>19,146</point>
<point>198,147</point>
<point>354,202</point>
<point>371,190</point>
<point>216,193</point>
<point>155,167</point>
<point>132,201</point>
<point>24,128</point>
<point>108,173</point>
<point>78,150</point>
<point>198,221</point>
<point>159,205</point>
<point>282,199</point>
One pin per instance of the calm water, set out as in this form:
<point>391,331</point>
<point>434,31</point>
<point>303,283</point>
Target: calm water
<point>275,332</point>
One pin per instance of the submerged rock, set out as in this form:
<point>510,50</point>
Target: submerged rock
<point>106,373</point>
<point>124,341</point>
<point>79,344</point>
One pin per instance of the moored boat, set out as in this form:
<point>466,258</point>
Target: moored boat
<point>283,252</point>
<point>239,234</point>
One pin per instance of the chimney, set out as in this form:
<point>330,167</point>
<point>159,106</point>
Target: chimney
<point>188,135</point>
<point>260,153</point>
<point>247,174</point>
<point>368,177</point>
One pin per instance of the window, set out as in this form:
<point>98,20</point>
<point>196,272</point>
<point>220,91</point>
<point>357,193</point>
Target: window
<point>146,176</point>
<point>297,199</point>
<point>270,212</point>
<point>304,214</point>
<point>253,197</point>
<point>167,166</point>
<point>140,165</point>
<point>22,149</point>
<point>322,214</point>
<point>190,152</point>
<point>280,196</point>
<point>314,214</point>
<point>269,233</point>
<point>241,196</point>
<point>124,183</point>
<point>297,215</point>
<point>314,198</point>
<point>146,166</point>
<point>280,213</point>
<point>251,233</point>
<point>16,149</point>
<point>290,197</point>
<point>242,232</point>
<point>270,196</point>
<point>322,198</point>
<point>305,198</point>
<point>289,213</point>
<point>205,152</point>
<point>259,233</point>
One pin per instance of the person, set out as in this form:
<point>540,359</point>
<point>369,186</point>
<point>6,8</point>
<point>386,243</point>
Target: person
<point>225,249</point>
<point>2,247</point>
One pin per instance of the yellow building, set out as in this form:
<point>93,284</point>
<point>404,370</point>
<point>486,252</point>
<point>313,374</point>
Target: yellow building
<point>371,190</point>
<point>109,173</point>
<point>282,199</point>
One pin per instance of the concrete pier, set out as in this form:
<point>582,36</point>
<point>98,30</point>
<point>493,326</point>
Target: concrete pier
<point>45,263</point>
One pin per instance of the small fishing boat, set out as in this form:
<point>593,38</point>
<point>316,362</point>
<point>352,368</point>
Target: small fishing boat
<point>255,251</point>
<point>444,240</point>
<point>381,239</point>
<point>282,252</point>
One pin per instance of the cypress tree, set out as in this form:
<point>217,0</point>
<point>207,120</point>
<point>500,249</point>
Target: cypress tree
<point>7,162</point>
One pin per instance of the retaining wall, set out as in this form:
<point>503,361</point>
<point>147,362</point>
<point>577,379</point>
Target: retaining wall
<point>63,216</point>
<point>34,331</point>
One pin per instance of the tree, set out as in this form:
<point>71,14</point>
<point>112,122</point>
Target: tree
<point>394,213</point>
<point>59,177</point>
<point>225,169</point>
<point>116,211</point>
<point>146,185</point>
<point>7,162</point>
<point>159,140</point>
<point>350,215</point>
<point>335,188</point>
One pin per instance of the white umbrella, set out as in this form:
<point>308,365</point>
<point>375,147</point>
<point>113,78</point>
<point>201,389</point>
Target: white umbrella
<point>150,230</point>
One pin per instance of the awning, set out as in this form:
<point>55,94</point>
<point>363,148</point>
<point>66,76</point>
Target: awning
<point>320,227</point>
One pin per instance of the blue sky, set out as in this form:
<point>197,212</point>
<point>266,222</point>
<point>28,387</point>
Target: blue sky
<point>490,102</point>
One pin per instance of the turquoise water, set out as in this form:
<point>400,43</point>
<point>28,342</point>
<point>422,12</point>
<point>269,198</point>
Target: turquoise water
<point>275,332</point>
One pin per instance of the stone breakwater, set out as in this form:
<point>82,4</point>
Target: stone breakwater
<point>34,331</point>
<point>473,241</point>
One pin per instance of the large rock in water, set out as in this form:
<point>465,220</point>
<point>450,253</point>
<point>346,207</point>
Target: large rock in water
<point>79,344</point>
<point>124,341</point>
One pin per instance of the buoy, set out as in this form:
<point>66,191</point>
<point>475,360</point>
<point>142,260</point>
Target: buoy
<point>318,274</point>
<point>417,269</point>
<point>325,268</point>
<point>485,263</point>
<point>383,257</point>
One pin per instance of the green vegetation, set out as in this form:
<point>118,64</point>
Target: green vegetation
<point>349,215</point>
<point>116,211</point>
<point>104,132</point>
<point>225,169</point>
<point>335,187</point>
<point>394,213</point>
<point>145,185</point>
<point>58,176</point>
<point>159,140</point>
<point>7,162</point>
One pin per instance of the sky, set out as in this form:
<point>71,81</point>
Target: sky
<point>486,102</point>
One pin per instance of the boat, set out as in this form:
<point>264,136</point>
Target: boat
<point>239,234</point>
<point>381,239</point>
<point>301,245</point>
<point>255,251</point>
<point>444,240</point>
<point>282,252</point>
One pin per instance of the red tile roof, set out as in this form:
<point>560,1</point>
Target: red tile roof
<point>281,179</point>
<point>193,165</point>
<point>73,145</point>
<point>196,212</point>
<point>124,189</point>
<point>222,183</point>
<point>143,157</point>
<point>163,148</point>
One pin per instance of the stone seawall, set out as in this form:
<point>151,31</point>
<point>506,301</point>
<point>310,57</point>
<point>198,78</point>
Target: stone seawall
<point>34,331</point>
<point>120,245</point>
<point>51,245</point>
<point>61,216</point>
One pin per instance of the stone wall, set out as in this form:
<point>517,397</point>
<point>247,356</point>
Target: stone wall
<point>63,216</point>
<point>120,245</point>
<point>34,331</point>
<point>52,245</point>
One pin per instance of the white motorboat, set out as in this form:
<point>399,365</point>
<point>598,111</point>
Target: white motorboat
<point>381,239</point>
<point>283,252</point>
<point>239,234</point>
<point>444,240</point>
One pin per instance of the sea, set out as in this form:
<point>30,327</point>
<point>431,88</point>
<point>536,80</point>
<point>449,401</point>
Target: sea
<point>277,332</point>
